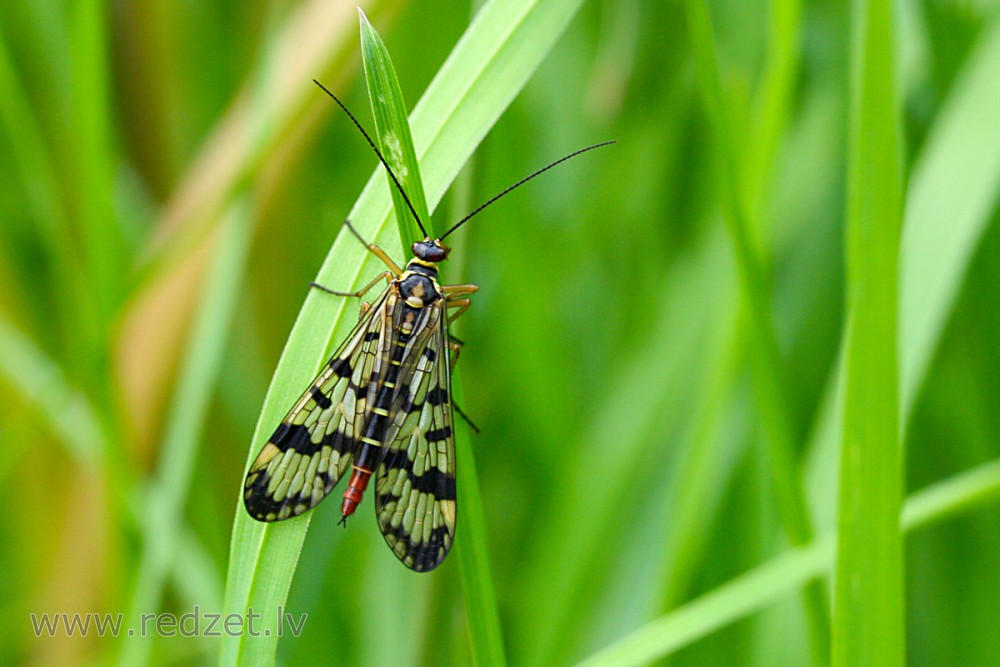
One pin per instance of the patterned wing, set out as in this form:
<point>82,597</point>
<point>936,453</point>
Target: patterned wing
<point>415,485</point>
<point>314,444</point>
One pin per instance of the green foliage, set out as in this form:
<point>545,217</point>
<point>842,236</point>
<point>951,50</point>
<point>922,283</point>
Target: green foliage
<point>868,596</point>
<point>395,143</point>
<point>659,357</point>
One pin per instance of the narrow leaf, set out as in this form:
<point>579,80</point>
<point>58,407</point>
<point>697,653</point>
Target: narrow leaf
<point>868,626</point>
<point>394,138</point>
<point>396,145</point>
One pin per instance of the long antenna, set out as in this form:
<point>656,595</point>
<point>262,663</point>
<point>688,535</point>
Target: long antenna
<point>522,182</point>
<point>377,152</point>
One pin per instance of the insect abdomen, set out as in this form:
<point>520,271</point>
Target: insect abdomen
<point>355,490</point>
<point>372,443</point>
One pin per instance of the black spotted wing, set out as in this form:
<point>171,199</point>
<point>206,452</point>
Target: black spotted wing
<point>315,442</point>
<point>415,483</point>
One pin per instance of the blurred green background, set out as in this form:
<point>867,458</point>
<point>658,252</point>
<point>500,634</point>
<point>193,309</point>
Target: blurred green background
<point>151,150</point>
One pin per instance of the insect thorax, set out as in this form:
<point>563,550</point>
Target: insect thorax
<point>418,285</point>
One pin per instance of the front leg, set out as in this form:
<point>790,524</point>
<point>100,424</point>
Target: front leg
<point>462,305</point>
<point>453,292</point>
<point>456,296</point>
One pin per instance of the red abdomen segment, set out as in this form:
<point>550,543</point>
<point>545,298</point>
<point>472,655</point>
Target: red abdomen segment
<point>355,490</point>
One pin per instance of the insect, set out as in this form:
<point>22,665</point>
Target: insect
<point>381,406</point>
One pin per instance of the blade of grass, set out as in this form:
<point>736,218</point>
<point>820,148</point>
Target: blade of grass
<point>168,491</point>
<point>770,393</point>
<point>40,185</point>
<point>703,474</point>
<point>395,140</point>
<point>481,611</point>
<point>771,109</point>
<point>953,192</point>
<point>396,145</point>
<point>486,69</point>
<point>486,635</point>
<point>91,183</point>
<point>786,573</point>
<point>702,477</point>
<point>69,294</point>
<point>950,200</point>
<point>868,624</point>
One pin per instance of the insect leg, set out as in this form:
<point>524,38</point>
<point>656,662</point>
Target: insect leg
<point>375,250</point>
<point>462,305</point>
<point>465,417</point>
<point>385,275</point>
<point>452,292</point>
<point>455,346</point>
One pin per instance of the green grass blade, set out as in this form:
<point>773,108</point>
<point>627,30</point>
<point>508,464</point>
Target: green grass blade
<point>868,623</point>
<point>772,108</point>
<point>168,492</point>
<point>953,191</point>
<point>47,198</point>
<point>395,142</point>
<point>39,181</point>
<point>481,609</point>
<point>784,574</point>
<point>485,70</point>
<point>950,200</point>
<point>953,497</point>
<point>92,180</point>
<point>487,645</point>
<point>770,393</point>
<point>394,139</point>
<point>34,165</point>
